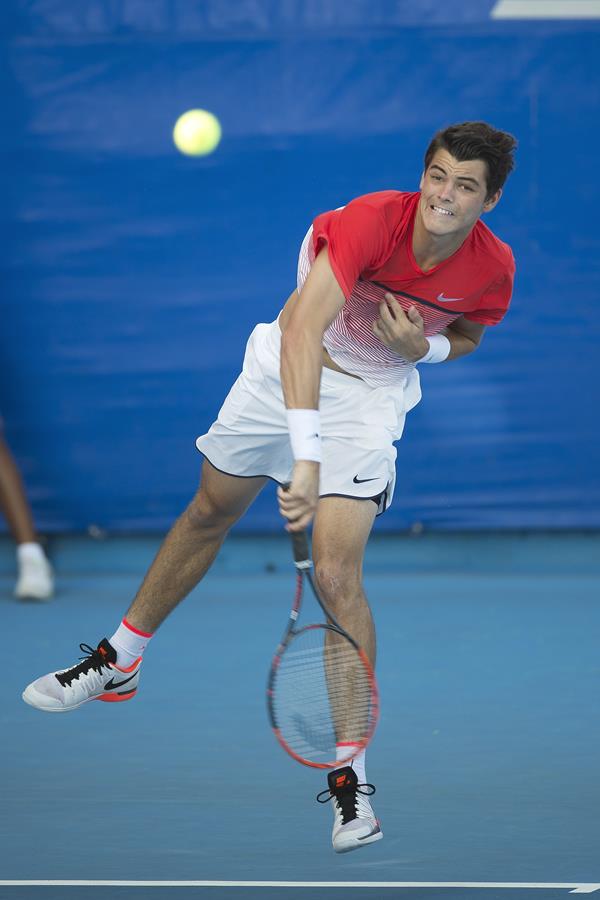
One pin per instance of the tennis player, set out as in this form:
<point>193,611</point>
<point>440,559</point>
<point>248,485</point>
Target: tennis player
<point>390,281</point>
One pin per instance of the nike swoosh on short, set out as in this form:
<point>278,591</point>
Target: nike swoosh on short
<point>111,685</point>
<point>442,299</point>
<point>375,830</point>
<point>358,480</point>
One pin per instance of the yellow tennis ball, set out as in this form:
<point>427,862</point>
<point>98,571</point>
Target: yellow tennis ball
<point>197,132</point>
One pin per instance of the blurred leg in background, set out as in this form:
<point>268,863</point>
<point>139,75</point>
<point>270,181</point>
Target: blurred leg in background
<point>34,579</point>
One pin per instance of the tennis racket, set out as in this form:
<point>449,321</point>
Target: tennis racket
<point>321,693</point>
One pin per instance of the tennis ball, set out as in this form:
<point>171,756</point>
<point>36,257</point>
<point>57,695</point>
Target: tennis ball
<point>197,132</point>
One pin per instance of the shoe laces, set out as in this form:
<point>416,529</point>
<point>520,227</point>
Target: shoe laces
<point>93,659</point>
<point>346,798</point>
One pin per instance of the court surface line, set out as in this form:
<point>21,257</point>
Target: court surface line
<point>576,888</point>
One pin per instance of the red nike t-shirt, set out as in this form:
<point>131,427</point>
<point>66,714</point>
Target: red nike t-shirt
<point>370,239</point>
<point>370,251</point>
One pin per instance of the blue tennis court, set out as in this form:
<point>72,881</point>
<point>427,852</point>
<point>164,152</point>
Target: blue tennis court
<point>485,758</point>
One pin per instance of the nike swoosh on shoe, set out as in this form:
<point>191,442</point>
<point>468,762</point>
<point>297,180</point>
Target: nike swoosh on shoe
<point>375,830</point>
<point>111,685</point>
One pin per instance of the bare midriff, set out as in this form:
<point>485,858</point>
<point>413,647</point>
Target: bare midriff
<point>284,318</point>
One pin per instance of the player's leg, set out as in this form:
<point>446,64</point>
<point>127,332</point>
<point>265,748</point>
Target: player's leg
<point>13,501</point>
<point>111,672</point>
<point>341,530</point>
<point>192,545</point>
<point>35,579</point>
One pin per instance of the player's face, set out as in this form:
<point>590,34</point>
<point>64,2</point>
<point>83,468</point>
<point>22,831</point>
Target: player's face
<point>453,194</point>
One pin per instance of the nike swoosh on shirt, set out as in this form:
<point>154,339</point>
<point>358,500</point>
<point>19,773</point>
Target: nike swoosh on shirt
<point>111,685</point>
<point>358,480</point>
<point>443,299</point>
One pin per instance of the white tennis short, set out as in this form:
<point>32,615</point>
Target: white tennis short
<point>359,425</point>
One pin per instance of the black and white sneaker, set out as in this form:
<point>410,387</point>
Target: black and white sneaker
<point>96,678</point>
<point>354,823</point>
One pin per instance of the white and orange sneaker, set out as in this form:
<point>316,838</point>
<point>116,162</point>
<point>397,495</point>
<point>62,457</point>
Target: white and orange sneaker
<point>96,678</point>
<point>354,822</point>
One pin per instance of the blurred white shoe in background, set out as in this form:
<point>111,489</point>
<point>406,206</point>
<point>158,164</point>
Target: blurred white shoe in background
<point>35,580</point>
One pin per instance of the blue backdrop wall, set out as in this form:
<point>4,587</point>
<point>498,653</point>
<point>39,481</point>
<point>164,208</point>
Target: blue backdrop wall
<point>131,276</point>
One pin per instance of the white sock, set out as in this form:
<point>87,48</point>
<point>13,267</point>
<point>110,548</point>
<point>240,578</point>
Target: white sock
<point>130,643</point>
<point>30,551</point>
<point>357,762</point>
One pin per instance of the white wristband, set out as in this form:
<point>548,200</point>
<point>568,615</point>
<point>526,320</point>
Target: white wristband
<point>439,349</point>
<point>304,426</point>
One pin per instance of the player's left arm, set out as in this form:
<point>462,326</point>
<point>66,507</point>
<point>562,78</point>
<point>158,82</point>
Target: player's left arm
<point>464,336</point>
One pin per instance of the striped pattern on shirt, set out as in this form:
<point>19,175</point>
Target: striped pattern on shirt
<point>350,341</point>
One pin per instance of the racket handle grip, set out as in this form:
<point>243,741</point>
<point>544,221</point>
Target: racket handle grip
<point>300,546</point>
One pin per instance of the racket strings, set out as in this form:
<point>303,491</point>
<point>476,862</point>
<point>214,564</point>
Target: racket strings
<point>323,695</point>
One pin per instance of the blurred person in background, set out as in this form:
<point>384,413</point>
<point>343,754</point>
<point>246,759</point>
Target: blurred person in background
<point>34,574</point>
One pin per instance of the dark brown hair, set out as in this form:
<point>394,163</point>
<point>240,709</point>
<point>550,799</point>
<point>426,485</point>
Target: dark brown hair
<point>477,140</point>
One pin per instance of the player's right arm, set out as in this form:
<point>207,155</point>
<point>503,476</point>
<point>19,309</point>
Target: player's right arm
<point>312,311</point>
